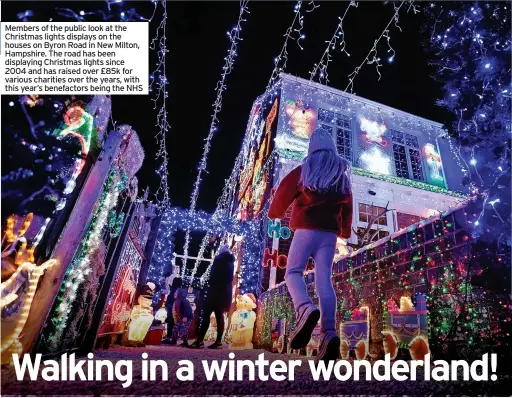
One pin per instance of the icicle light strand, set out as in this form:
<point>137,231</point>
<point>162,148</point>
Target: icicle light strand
<point>234,37</point>
<point>158,87</point>
<point>281,60</point>
<point>372,56</point>
<point>320,69</point>
<point>293,32</point>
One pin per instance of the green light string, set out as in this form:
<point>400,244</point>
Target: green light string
<point>78,270</point>
<point>298,155</point>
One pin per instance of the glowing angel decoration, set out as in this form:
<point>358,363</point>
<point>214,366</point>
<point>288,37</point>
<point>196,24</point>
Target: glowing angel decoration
<point>75,118</point>
<point>434,161</point>
<point>374,131</point>
<point>21,277</point>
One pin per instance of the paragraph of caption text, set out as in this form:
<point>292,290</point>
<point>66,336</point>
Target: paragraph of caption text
<point>74,58</point>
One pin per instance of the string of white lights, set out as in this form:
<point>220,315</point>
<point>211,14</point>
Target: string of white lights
<point>279,66</point>
<point>158,87</point>
<point>372,56</point>
<point>221,209</point>
<point>223,203</point>
<point>281,60</point>
<point>128,15</point>
<point>320,68</point>
<point>234,37</point>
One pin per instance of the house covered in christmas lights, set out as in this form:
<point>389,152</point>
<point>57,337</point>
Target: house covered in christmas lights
<point>402,168</point>
<point>416,270</point>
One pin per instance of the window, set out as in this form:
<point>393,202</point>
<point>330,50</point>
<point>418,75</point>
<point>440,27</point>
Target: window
<point>380,227</point>
<point>402,170</point>
<point>373,235</point>
<point>407,156</point>
<point>417,169</point>
<point>411,140</point>
<point>325,116</point>
<point>368,212</point>
<point>341,126</point>
<point>397,136</point>
<point>405,220</point>
<point>343,143</point>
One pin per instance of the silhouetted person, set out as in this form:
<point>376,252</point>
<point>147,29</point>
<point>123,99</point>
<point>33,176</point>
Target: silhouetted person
<point>218,296</point>
<point>175,286</point>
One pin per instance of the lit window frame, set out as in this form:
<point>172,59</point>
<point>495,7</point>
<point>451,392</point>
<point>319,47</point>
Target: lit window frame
<point>408,157</point>
<point>334,126</point>
<point>390,221</point>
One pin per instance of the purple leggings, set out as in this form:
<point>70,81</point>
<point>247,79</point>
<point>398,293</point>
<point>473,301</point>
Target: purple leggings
<point>321,246</point>
<point>180,329</point>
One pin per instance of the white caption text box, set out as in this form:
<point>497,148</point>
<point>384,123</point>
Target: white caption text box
<point>74,58</point>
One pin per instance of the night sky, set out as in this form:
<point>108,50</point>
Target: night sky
<point>198,43</point>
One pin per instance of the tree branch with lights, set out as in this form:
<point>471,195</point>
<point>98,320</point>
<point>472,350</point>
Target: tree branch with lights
<point>469,45</point>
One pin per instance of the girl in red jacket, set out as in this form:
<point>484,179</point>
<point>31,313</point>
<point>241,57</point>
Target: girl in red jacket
<point>322,211</point>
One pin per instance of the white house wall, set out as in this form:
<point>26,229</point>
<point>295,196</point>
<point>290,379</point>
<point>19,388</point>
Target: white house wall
<point>404,199</point>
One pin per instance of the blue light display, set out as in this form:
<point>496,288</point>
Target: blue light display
<point>469,47</point>
<point>177,218</point>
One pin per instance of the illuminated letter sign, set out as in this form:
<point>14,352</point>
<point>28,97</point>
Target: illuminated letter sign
<point>280,261</point>
<point>276,231</point>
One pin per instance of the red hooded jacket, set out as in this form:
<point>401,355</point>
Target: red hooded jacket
<point>331,211</point>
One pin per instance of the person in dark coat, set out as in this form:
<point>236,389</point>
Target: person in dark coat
<point>173,288</point>
<point>218,296</point>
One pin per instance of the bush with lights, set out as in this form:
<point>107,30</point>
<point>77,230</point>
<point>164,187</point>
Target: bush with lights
<point>39,161</point>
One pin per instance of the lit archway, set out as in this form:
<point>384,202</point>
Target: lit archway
<point>174,219</point>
